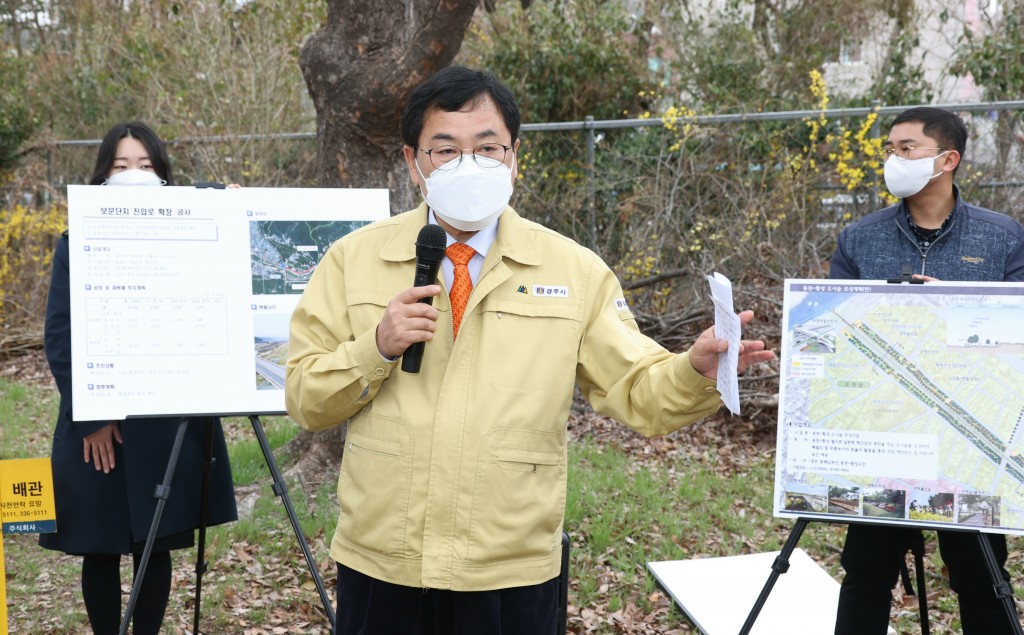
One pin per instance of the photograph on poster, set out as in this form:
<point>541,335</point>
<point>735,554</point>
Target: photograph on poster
<point>931,505</point>
<point>844,501</point>
<point>270,331</point>
<point>806,498</point>
<point>904,400</point>
<point>978,510</point>
<point>882,502</point>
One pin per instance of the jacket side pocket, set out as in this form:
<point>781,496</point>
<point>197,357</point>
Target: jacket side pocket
<point>519,497</point>
<point>374,487</point>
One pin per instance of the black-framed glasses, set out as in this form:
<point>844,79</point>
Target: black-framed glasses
<point>486,155</point>
<point>902,153</point>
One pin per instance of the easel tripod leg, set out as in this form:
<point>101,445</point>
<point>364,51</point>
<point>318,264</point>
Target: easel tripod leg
<point>281,490</point>
<point>780,566</point>
<point>917,548</point>
<point>163,490</point>
<point>1000,586</point>
<point>204,511</point>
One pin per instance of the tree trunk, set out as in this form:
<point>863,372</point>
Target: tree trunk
<point>359,70</point>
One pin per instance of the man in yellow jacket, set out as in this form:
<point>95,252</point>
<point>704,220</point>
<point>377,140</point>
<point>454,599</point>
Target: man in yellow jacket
<point>452,485</point>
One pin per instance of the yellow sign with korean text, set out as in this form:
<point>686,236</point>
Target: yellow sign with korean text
<point>26,496</point>
<point>26,504</point>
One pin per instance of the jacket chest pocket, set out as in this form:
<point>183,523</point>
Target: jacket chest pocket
<point>530,347</point>
<point>365,309</point>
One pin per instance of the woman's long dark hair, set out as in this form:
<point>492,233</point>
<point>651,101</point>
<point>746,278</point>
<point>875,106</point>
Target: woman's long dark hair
<point>136,130</point>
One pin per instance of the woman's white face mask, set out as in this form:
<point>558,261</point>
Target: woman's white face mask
<point>134,177</point>
<point>468,196</point>
<point>906,177</point>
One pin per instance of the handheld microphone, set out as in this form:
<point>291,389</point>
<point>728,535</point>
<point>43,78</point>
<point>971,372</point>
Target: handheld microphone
<point>430,246</point>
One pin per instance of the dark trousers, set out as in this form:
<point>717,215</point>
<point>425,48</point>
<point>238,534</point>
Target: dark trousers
<point>367,606</point>
<point>871,558</point>
<point>101,590</point>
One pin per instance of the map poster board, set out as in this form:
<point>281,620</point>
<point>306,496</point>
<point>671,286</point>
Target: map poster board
<point>902,404</point>
<point>181,297</point>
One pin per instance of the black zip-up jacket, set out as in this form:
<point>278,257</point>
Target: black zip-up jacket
<point>978,244</point>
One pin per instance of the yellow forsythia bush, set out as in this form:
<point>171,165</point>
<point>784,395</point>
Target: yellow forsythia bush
<point>27,238</point>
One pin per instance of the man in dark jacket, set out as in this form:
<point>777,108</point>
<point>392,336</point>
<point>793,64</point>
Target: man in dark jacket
<point>941,238</point>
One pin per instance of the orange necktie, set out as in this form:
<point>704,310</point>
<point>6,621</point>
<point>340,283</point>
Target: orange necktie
<point>460,254</point>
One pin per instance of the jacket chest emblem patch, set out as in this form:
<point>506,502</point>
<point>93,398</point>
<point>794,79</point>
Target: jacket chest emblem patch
<point>974,260</point>
<point>550,292</point>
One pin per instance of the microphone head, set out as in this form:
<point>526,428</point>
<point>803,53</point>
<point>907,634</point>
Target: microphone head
<point>430,243</point>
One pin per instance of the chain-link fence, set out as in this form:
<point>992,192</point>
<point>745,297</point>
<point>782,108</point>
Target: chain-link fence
<point>579,176</point>
<point>588,165</point>
<point>265,160</point>
<point>757,196</point>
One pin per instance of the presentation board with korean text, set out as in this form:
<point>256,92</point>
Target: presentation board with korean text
<point>902,404</point>
<point>181,297</point>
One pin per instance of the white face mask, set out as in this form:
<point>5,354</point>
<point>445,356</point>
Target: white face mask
<point>134,177</point>
<point>906,177</point>
<point>469,197</point>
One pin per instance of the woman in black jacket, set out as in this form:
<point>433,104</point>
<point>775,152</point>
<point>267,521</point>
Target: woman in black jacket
<point>105,472</point>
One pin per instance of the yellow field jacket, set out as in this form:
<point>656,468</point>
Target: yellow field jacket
<point>455,477</point>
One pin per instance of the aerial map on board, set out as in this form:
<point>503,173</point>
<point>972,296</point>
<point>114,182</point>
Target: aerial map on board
<point>902,404</point>
<point>285,252</point>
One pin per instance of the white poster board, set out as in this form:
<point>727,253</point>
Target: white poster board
<point>717,594</point>
<point>902,404</point>
<point>181,297</point>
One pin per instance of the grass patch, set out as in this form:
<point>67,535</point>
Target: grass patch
<point>624,508</point>
<point>248,465</point>
<point>257,577</point>
<point>623,512</point>
<point>27,416</point>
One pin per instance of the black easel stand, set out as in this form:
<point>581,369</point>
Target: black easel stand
<point>281,490</point>
<point>204,511</point>
<point>163,491</point>
<point>917,548</point>
<point>999,585</point>
<point>781,565</point>
<point>906,277</point>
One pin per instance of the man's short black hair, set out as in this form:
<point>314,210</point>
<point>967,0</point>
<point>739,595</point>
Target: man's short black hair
<point>450,89</point>
<point>946,127</point>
